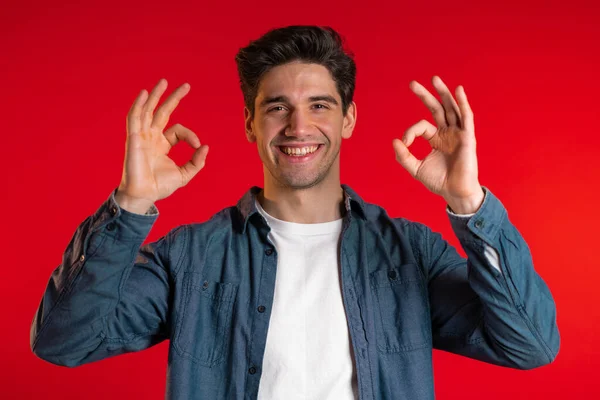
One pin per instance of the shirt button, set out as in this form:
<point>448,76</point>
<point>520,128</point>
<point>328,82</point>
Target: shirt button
<point>205,285</point>
<point>261,309</point>
<point>252,370</point>
<point>392,275</point>
<point>82,258</point>
<point>110,226</point>
<point>113,210</point>
<point>479,223</point>
<point>269,252</point>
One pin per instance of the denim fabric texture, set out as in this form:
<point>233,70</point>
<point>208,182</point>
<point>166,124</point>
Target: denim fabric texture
<point>208,288</point>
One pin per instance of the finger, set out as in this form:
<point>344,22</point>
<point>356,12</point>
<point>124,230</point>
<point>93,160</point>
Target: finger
<point>150,105</point>
<point>193,166</point>
<point>405,157</point>
<point>161,117</point>
<point>451,109</point>
<point>134,124</point>
<point>431,102</point>
<point>178,132</point>
<point>422,128</point>
<point>465,110</point>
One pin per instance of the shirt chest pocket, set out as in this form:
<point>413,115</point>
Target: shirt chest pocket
<point>402,317</point>
<point>204,326</point>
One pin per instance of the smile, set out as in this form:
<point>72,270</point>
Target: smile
<point>298,151</point>
<point>299,154</point>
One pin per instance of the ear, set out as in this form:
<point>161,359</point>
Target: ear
<point>249,124</point>
<point>349,121</point>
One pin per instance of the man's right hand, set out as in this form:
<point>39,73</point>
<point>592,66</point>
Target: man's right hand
<point>148,173</point>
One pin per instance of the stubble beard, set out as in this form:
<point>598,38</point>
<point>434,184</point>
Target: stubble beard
<point>300,179</point>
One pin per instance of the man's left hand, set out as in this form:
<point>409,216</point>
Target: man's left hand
<point>450,170</point>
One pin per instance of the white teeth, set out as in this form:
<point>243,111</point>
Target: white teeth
<point>295,151</point>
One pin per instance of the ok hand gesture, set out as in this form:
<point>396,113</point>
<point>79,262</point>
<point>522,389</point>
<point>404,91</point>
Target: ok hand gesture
<point>148,173</point>
<point>450,170</point>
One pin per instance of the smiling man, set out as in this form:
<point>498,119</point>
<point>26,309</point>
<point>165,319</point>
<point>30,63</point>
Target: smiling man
<point>298,128</point>
<point>302,290</point>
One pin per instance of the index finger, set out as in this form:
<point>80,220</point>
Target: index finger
<point>161,117</point>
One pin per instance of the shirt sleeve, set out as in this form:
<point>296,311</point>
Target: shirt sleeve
<point>490,253</point>
<point>506,315</point>
<point>152,211</point>
<point>110,294</point>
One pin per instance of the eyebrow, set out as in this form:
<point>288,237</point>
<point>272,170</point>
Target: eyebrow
<point>283,99</point>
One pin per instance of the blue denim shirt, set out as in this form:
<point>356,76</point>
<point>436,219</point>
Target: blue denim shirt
<point>208,288</point>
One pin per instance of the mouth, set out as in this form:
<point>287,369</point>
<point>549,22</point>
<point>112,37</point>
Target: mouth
<point>299,155</point>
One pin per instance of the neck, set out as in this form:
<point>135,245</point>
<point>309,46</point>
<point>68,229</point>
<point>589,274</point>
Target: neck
<point>323,202</point>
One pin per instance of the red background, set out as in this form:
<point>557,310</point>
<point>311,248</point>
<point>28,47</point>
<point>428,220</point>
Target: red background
<point>69,73</point>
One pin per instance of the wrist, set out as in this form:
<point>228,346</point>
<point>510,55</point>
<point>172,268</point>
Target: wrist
<point>467,205</point>
<point>133,205</point>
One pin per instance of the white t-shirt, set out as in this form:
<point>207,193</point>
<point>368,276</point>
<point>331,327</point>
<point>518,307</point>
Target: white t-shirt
<point>307,354</point>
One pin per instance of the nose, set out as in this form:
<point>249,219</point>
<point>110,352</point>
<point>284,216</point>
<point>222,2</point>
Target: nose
<point>298,124</point>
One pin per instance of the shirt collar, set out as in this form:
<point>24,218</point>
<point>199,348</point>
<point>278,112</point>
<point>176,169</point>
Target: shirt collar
<point>247,208</point>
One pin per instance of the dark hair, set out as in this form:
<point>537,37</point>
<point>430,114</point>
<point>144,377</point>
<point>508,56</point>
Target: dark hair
<point>312,44</point>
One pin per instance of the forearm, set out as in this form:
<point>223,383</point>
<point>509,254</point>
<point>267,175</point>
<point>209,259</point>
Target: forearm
<point>510,319</point>
<point>70,321</point>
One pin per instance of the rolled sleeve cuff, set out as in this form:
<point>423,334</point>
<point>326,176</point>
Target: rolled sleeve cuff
<point>113,220</point>
<point>151,211</point>
<point>485,223</point>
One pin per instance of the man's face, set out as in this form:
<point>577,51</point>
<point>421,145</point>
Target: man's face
<point>298,124</point>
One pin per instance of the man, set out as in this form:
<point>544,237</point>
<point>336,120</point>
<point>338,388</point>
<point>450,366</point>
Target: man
<point>302,290</point>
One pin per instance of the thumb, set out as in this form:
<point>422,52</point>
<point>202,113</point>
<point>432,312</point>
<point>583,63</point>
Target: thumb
<point>193,166</point>
<point>405,157</point>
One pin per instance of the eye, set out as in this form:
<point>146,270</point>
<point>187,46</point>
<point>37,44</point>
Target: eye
<point>319,106</point>
<point>276,108</point>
